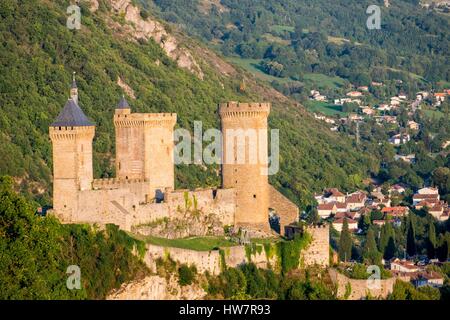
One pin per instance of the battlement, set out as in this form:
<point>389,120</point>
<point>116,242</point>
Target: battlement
<point>145,119</point>
<point>237,109</point>
<point>315,227</point>
<point>69,133</point>
<point>115,183</point>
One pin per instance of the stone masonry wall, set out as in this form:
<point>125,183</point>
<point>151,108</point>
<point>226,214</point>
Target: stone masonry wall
<point>124,203</point>
<point>359,288</point>
<point>207,260</point>
<point>287,211</point>
<point>318,252</point>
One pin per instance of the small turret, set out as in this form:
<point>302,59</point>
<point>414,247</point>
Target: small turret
<point>74,90</point>
<point>123,107</point>
<point>71,116</point>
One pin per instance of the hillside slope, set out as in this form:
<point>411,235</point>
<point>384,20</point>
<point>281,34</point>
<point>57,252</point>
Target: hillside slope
<point>296,40</point>
<point>113,54</point>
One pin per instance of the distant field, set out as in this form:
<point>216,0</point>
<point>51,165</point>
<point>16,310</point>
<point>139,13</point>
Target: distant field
<point>413,75</point>
<point>279,28</point>
<point>326,108</point>
<point>340,41</point>
<point>271,38</point>
<point>251,65</point>
<point>319,81</point>
<point>323,81</point>
<point>433,113</point>
<point>195,243</point>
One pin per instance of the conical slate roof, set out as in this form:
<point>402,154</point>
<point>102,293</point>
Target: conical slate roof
<point>123,104</point>
<point>74,84</point>
<point>71,116</point>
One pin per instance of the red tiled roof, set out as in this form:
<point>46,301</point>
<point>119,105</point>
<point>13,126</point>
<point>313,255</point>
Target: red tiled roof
<point>405,264</point>
<point>341,221</point>
<point>425,196</point>
<point>395,210</point>
<point>340,205</point>
<point>326,206</point>
<point>427,203</point>
<point>355,198</point>
<point>436,208</point>
<point>335,192</point>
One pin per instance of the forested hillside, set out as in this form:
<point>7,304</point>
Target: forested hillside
<point>39,54</point>
<point>294,40</point>
<point>36,252</point>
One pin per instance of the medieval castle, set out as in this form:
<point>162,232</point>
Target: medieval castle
<point>143,190</point>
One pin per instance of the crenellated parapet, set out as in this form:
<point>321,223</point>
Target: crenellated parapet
<point>115,183</point>
<point>71,133</point>
<point>318,226</point>
<point>163,120</point>
<point>237,109</point>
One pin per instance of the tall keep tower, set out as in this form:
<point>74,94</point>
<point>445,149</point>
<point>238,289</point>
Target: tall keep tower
<point>245,161</point>
<point>144,146</point>
<point>71,135</point>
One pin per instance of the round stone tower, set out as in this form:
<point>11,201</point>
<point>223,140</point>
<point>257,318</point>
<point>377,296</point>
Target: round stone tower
<point>71,135</point>
<point>245,161</point>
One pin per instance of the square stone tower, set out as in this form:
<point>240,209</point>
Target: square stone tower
<point>245,161</point>
<point>71,135</point>
<point>144,147</point>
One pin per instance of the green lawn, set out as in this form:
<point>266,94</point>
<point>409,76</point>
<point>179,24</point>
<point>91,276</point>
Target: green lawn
<point>280,28</point>
<point>252,66</point>
<point>322,81</point>
<point>194,243</point>
<point>326,108</point>
<point>319,81</point>
<point>434,113</point>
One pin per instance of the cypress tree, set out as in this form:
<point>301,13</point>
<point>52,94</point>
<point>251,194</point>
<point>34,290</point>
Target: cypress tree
<point>442,250</point>
<point>370,251</point>
<point>387,241</point>
<point>390,250</point>
<point>345,243</point>
<point>431,241</point>
<point>411,239</point>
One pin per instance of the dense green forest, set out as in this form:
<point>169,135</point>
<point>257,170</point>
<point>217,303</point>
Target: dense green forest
<point>39,53</point>
<point>291,39</point>
<point>36,252</point>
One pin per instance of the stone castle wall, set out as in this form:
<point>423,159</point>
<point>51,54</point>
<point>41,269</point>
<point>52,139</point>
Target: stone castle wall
<point>287,211</point>
<point>360,289</point>
<point>208,261</point>
<point>318,251</point>
<point>126,204</point>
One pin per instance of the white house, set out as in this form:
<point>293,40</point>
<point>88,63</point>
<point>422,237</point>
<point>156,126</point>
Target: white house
<point>339,223</point>
<point>404,266</point>
<point>399,139</point>
<point>428,190</point>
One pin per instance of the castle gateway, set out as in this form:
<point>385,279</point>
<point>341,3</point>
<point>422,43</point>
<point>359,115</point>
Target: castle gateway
<point>143,190</point>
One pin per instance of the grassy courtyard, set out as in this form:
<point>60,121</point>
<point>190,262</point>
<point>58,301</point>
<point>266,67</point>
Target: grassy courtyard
<point>193,243</point>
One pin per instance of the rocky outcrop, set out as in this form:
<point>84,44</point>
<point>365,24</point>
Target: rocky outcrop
<point>126,88</point>
<point>157,288</point>
<point>140,28</point>
<point>189,225</point>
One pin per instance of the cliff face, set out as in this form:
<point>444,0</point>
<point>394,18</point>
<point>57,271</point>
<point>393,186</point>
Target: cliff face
<point>157,288</point>
<point>140,28</point>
